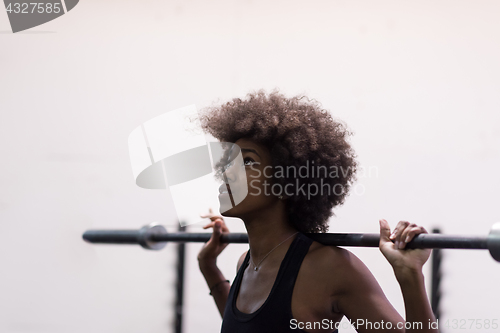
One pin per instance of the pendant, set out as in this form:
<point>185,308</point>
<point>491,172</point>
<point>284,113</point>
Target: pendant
<point>256,268</point>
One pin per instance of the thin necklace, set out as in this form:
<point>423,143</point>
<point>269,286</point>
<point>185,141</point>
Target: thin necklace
<point>257,266</point>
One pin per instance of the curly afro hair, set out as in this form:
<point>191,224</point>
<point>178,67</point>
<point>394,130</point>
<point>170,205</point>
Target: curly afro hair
<point>297,132</point>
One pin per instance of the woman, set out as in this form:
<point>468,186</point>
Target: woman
<point>286,282</point>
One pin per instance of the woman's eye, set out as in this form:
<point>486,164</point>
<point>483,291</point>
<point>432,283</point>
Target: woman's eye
<point>246,162</point>
<point>248,159</point>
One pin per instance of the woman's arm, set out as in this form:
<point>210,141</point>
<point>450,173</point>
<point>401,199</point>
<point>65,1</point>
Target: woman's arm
<point>363,302</point>
<point>217,284</point>
<point>207,261</point>
<point>219,290</point>
<point>417,307</point>
<point>407,266</point>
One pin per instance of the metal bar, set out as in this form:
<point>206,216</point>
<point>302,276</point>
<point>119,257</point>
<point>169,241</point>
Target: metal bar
<point>111,236</point>
<point>336,239</point>
<point>155,237</point>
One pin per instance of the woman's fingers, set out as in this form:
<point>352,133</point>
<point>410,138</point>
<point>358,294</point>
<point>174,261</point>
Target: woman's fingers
<point>410,233</point>
<point>405,232</point>
<point>405,235</point>
<point>217,223</point>
<point>211,216</point>
<point>216,233</point>
<point>396,234</point>
<point>395,253</point>
<point>211,224</point>
<point>385,231</point>
<point>210,213</point>
<point>214,218</point>
<point>218,230</point>
<point>213,247</point>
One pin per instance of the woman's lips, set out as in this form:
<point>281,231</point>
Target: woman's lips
<point>227,189</point>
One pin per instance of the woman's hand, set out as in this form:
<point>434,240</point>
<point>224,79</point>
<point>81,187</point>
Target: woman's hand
<point>212,248</point>
<point>403,260</point>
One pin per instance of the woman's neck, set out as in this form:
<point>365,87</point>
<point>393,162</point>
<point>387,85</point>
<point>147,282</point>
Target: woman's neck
<point>266,229</point>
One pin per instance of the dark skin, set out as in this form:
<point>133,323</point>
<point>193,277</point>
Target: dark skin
<point>332,282</point>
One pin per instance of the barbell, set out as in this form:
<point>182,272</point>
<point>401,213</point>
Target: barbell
<point>155,237</point>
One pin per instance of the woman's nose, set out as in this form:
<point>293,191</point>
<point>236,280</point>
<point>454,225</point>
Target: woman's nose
<point>235,171</point>
<point>230,175</point>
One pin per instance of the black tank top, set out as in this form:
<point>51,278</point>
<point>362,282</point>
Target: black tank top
<point>275,315</point>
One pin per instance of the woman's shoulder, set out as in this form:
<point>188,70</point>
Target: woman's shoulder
<point>241,260</point>
<point>334,264</point>
<point>330,255</point>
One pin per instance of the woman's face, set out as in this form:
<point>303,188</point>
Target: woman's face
<point>255,160</point>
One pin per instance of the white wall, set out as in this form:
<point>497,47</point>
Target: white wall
<point>416,81</point>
